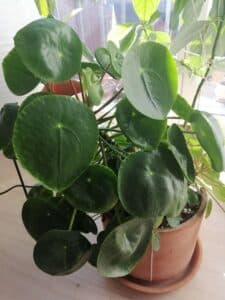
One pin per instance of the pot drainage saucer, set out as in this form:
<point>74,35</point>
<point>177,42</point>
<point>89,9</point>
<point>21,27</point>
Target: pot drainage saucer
<point>167,285</point>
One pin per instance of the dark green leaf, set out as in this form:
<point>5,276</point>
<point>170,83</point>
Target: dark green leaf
<point>182,108</point>
<point>43,212</point>
<point>178,147</point>
<point>150,79</point>
<point>61,252</point>
<point>123,248</point>
<point>85,223</point>
<point>150,184</point>
<point>55,138</point>
<point>94,190</point>
<point>141,130</point>
<point>193,198</point>
<point>31,98</point>
<point>210,137</point>
<point>103,57</point>
<point>8,115</point>
<point>50,49</point>
<point>18,78</point>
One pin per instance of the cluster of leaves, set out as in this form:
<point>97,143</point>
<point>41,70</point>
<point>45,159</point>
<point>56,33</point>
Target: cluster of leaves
<point>129,163</point>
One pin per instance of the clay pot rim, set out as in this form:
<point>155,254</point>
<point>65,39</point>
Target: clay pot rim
<point>193,219</point>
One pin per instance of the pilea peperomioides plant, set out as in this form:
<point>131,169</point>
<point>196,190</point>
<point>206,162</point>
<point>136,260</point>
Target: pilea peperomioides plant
<point>129,162</point>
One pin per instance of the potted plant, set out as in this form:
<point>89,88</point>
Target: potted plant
<point>125,159</point>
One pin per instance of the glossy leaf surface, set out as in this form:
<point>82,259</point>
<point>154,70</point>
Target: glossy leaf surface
<point>210,137</point>
<point>50,49</point>
<point>18,78</point>
<point>151,184</point>
<point>178,147</point>
<point>8,116</point>
<point>92,86</point>
<point>141,130</point>
<point>123,248</point>
<point>150,79</point>
<point>182,108</point>
<point>60,139</point>
<point>61,252</point>
<point>94,190</point>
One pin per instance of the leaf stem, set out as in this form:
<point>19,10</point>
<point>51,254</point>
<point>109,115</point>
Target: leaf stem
<point>82,89</point>
<point>72,219</point>
<point>20,177</point>
<point>209,65</point>
<point>109,101</point>
<point>103,152</point>
<point>14,187</point>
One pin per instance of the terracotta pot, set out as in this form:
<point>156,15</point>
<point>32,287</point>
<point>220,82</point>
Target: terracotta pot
<point>174,263</point>
<point>68,87</point>
<point>177,246</point>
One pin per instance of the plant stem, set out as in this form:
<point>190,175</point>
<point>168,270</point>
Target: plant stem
<point>72,219</point>
<point>110,129</point>
<point>14,187</point>
<point>103,152</point>
<point>81,88</point>
<point>112,147</point>
<point>20,177</point>
<point>109,101</point>
<point>100,121</point>
<point>210,64</point>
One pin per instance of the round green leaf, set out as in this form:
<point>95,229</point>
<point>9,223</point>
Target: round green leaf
<point>123,247</point>
<point>61,252</point>
<point>31,98</point>
<point>210,137</point>
<point>151,184</point>
<point>8,116</point>
<point>141,130</point>
<point>50,49</point>
<point>18,78</point>
<point>94,190</point>
<point>43,213</point>
<point>150,79</point>
<point>178,147</point>
<point>55,138</point>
